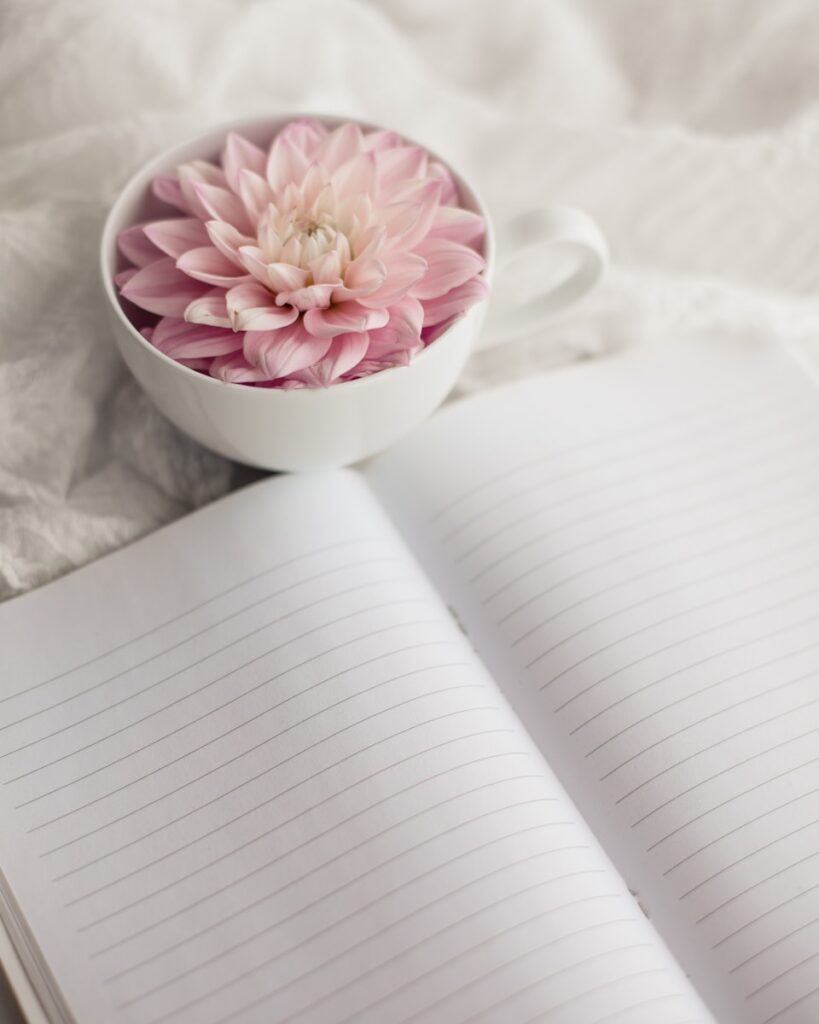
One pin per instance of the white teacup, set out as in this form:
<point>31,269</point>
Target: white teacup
<point>310,429</point>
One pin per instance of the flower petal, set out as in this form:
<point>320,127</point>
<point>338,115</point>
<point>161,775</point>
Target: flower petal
<point>136,246</point>
<point>255,193</point>
<point>253,259</point>
<point>458,225</point>
<point>238,155</point>
<point>399,163</point>
<point>227,239</point>
<point>449,190</point>
<point>345,352</point>
<point>408,221</point>
<point>210,309</point>
<point>404,270</point>
<point>285,277</point>
<point>326,269</point>
<point>223,205</point>
<point>166,187</point>
<point>124,276</point>
<point>339,146</point>
<point>314,296</point>
<point>161,288</point>
<point>286,164</point>
<point>362,277</point>
<point>314,181</point>
<point>235,369</point>
<point>291,251</point>
<point>198,172</point>
<point>434,331</point>
<point>177,236</point>
<point>305,134</point>
<point>277,353</point>
<point>401,336</point>
<point>251,308</point>
<point>449,264</point>
<point>343,318</point>
<point>182,340</point>
<point>454,302</point>
<point>355,176</point>
<point>381,139</point>
<point>209,265</point>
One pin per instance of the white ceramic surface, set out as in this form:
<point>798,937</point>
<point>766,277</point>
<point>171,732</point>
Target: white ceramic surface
<point>311,429</point>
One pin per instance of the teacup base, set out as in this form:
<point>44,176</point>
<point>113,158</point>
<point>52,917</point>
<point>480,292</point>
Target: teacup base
<point>307,429</point>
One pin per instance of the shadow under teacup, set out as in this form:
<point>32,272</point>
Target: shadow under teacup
<point>320,428</point>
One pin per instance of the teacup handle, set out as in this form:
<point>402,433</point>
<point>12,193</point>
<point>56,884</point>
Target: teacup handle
<point>565,238</point>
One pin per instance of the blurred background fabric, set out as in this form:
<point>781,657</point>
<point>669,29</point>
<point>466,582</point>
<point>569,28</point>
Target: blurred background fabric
<point>688,128</point>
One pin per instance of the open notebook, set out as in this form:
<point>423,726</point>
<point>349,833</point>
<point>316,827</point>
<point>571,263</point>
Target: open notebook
<point>519,724</point>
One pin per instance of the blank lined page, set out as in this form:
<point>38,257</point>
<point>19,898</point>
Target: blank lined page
<point>251,771</point>
<point>634,548</point>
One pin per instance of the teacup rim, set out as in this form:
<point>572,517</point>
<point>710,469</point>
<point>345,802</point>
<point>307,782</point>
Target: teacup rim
<point>147,170</point>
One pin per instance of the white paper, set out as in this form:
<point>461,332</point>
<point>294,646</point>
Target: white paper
<point>634,548</point>
<point>252,771</point>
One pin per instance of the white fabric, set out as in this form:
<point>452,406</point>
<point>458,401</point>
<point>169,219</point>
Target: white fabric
<point>690,130</point>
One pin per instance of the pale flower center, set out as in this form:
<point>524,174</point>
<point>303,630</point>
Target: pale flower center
<point>305,237</point>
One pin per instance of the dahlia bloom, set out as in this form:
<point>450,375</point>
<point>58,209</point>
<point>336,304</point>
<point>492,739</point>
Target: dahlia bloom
<point>331,256</point>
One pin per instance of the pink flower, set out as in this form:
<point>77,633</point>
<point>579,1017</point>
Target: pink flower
<point>331,256</point>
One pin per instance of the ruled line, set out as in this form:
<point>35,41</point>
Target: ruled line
<point>597,488</point>
<point>194,664</point>
<point>320,899</point>
<point>776,942</point>
<point>782,974</point>
<point>752,789</point>
<point>295,817</point>
<point>228,732</point>
<point>778,688</point>
<point>695,664</point>
<point>221,707</point>
<point>790,1006</point>
<point>744,824</point>
<point>250,842</point>
<point>767,913</point>
<point>261,774</point>
<point>593,491</point>
<point>677,615</point>
<point>718,743</point>
<point>194,636</point>
<point>189,611</point>
<point>697,635</point>
<point>444,964</point>
<point>160,828</point>
<point>756,885</point>
<point>359,909</point>
<point>675,563</point>
<point>662,445</point>
<point>658,567</point>
<point>537,949</point>
<point>705,689</point>
<point>405,675</point>
<point>517,959</point>
<point>272,650</point>
<point>748,856</point>
<point>684,417</point>
<point>418,909</point>
<point>258,899</point>
<point>676,512</point>
<point>628,1009</point>
<point>316,968</point>
<point>724,771</point>
<point>545,1014</point>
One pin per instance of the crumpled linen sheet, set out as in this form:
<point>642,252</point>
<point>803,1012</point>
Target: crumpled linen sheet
<point>689,130</point>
